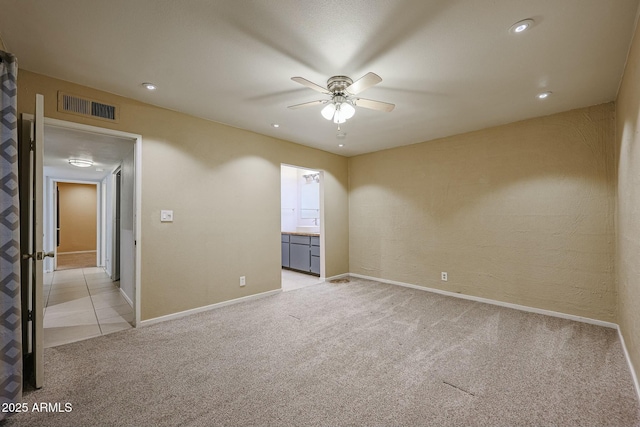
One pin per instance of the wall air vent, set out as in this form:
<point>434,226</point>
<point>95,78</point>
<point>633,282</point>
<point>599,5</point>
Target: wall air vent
<point>87,107</point>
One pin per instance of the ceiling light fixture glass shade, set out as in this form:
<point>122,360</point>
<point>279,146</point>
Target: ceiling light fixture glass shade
<point>339,110</point>
<point>81,163</point>
<point>344,112</point>
<point>328,111</point>
<point>339,117</point>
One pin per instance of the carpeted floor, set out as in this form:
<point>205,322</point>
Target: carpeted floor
<point>353,354</point>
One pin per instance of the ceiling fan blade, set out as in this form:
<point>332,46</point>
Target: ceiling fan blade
<point>374,105</point>
<point>364,82</point>
<point>310,85</point>
<point>308,104</point>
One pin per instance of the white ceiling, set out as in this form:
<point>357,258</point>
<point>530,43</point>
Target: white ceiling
<point>449,66</point>
<point>61,144</point>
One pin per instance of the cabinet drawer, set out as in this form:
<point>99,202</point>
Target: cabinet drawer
<point>315,240</point>
<point>315,250</point>
<point>285,238</point>
<point>300,240</point>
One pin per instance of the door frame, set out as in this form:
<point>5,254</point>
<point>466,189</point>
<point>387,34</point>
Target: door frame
<point>321,172</point>
<point>116,196</point>
<point>52,217</point>
<point>137,191</point>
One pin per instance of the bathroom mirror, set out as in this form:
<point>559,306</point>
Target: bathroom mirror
<point>310,200</point>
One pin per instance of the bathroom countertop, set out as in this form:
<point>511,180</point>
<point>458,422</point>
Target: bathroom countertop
<point>299,233</point>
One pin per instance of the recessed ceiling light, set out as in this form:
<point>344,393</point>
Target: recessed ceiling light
<point>80,163</point>
<point>149,86</point>
<point>341,145</point>
<point>275,125</point>
<point>521,26</point>
<point>543,95</point>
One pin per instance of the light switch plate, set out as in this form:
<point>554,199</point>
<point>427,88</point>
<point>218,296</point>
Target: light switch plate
<point>166,216</point>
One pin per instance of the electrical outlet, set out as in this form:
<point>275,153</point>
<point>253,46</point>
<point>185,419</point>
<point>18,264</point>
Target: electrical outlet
<point>444,276</point>
<point>243,281</point>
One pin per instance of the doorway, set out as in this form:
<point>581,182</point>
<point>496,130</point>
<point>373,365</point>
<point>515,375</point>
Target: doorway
<point>302,227</point>
<point>86,298</point>
<point>76,234</point>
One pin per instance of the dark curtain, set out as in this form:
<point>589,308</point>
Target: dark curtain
<point>10,304</point>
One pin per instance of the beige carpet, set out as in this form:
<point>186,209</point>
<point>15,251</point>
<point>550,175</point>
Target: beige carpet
<point>354,354</point>
<point>78,260</point>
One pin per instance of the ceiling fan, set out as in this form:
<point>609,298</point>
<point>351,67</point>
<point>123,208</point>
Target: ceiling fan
<point>343,99</point>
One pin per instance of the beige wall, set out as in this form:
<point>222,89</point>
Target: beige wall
<point>78,217</point>
<point>521,213</point>
<point>223,184</point>
<point>628,204</point>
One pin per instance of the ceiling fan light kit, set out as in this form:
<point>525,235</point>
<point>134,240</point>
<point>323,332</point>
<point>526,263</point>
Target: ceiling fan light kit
<point>81,163</point>
<point>341,106</point>
<point>339,110</point>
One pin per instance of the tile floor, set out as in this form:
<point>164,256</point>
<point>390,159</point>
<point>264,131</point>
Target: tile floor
<point>292,280</point>
<point>82,303</point>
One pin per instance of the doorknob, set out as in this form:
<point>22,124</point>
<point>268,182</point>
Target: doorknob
<point>42,255</point>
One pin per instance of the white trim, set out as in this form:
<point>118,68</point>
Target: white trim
<point>115,244</point>
<point>75,181</point>
<point>138,223</point>
<point>88,128</point>
<point>49,221</point>
<point>50,233</point>
<point>126,297</point>
<point>494,302</point>
<point>323,267</point>
<point>633,372</point>
<point>138,190</point>
<point>207,308</point>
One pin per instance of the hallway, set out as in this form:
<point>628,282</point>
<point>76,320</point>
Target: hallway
<point>82,303</point>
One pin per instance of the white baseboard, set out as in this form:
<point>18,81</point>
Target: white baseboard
<point>180,314</point>
<point>126,297</point>
<point>630,363</point>
<point>76,252</point>
<point>494,302</point>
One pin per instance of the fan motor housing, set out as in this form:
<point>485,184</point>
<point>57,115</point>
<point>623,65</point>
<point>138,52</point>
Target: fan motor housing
<point>338,84</point>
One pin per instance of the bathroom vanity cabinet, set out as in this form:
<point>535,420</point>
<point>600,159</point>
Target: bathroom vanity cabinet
<point>301,252</point>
